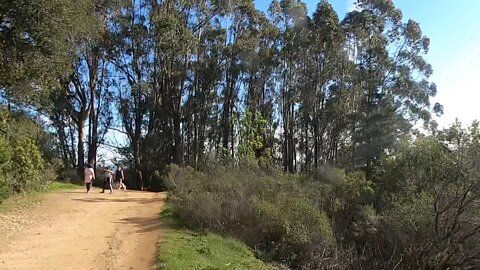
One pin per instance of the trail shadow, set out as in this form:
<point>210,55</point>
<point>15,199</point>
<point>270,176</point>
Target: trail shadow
<point>119,200</point>
<point>143,225</point>
<point>79,191</point>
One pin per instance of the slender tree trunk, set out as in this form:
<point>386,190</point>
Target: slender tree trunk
<point>307,149</point>
<point>178,156</point>
<point>291,141</point>
<point>316,144</point>
<point>59,124</point>
<point>93,128</point>
<point>136,150</point>
<point>73,159</point>
<point>80,147</point>
<point>227,112</point>
<point>137,169</point>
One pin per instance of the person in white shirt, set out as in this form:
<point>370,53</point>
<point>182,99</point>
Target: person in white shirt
<point>89,177</point>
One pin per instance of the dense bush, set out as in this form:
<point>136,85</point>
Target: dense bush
<point>434,202</point>
<point>156,182</point>
<point>26,166</point>
<point>22,166</point>
<point>418,211</point>
<point>264,208</point>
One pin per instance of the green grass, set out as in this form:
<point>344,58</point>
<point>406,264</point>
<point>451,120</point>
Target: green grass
<point>59,186</point>
<point>27,200</point>
<point>184,249</point>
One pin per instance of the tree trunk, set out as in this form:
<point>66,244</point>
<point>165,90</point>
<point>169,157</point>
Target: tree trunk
<point>291,142</point>
<point>137,163</point>
<point>93,130</point>
<point>178,157</point>
<point>80,148</point>
<point>316,144</point>
<point>307,149</point>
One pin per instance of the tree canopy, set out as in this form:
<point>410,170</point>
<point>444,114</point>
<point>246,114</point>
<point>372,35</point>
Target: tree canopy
<point>331,118</point>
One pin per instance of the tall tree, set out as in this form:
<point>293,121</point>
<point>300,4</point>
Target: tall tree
<point>291,18</point>
<point>131,56</point>
<point>388,55</point>
<point>325,64</point>
<point>84,85</point>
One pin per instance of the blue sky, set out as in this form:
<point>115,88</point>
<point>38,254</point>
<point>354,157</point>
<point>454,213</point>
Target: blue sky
<point>454,30</point>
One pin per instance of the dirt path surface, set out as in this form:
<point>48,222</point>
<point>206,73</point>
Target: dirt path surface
<point>74,230</point>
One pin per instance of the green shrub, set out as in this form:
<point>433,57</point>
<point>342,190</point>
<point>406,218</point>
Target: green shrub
<point>26,170</point>
<point>295,219</point>
<point>262,207</point>
<point>157,182</point>
<point>5,188</point>
<point>22,164</point>
<point>5,157</point>
<point>69,175</point>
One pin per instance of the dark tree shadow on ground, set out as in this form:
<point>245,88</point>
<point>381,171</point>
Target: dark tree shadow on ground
<point>79,191</point>
<point>118,200</point>
<point>143,225</point>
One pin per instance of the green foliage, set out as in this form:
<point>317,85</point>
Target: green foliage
<point>22,166</point>
<point>314,90</point>
<point>297,226</point>
<point>335,190</point>
<point>252,136</point>
<point>428,203</point>
<point>33,45</point>
<point>26,166</point>
<point>261,206</point>
<point>5,157</point>
<point>157,182</point>
<point>417,211</point>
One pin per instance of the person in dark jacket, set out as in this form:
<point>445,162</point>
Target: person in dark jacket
<point>108,181</point>
<point>120,177</point>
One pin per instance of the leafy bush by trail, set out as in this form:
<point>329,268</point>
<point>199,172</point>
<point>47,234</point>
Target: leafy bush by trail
<point>433,207</point>
<point>5,157</point>
<point>22,166</point>
<point>26,166</point>
<point>264,209</point>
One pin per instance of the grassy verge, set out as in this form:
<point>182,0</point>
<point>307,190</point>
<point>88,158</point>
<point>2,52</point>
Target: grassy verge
<point>184,249</point>
<point>59,186</point>
<point>26,200</point>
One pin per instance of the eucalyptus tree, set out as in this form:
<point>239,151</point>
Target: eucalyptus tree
<point>131,49</point>
<point>391,84</point>
<point>290,17</point>
<point>322,95</point>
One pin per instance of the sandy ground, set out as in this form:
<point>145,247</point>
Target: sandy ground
<point>74,230</point>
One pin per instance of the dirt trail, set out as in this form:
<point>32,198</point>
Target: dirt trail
<point>74,230</point>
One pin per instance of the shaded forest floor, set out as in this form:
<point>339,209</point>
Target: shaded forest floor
<point>68,229</point>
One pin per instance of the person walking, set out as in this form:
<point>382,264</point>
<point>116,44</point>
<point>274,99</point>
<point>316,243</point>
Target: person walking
<point>120,177</point>
<point>108,181</point>
<point>89,177</point>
